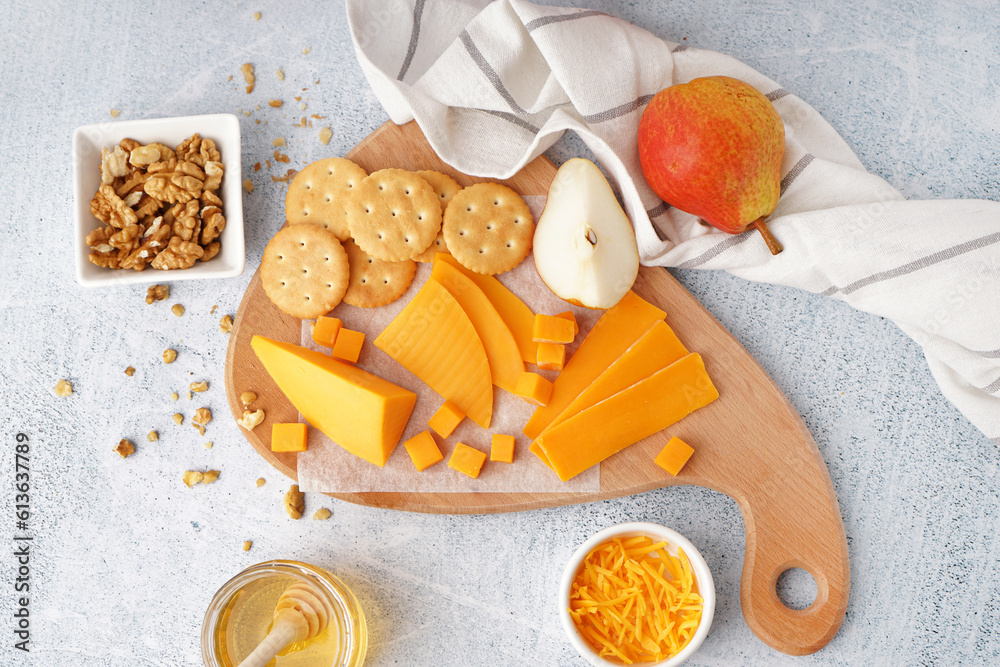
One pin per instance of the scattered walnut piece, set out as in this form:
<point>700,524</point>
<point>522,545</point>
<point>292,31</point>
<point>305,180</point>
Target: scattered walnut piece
<point>214,308</point>
<point>248,185</point>
<point>153,436</point>
<point>125,448</point>
<point>256,16</point>
<point>174,396</point>
<point>302,106</point>
<point>169,356</point>
<point>63,388</point>
<point>208,445</point>
<point>199,386</point>
<point>322,514</point>
<point>178,418</point>
<point>114,113</point>
<point>261,482</point>
<point>275,103</point>
<point>209,476</point>
<point>256,165</point>
<point>281,75</point>
<point>190,395</point>
<point>295,502</point>
<point>226,324</point>
<point>247,398</point>
<point>280,141</point>
<point>202,416</point>
<point>192,477</point>
<point>281,157</point>
<point>177,309</point>
<point>157,293</point>
<point>201,429</point>
<point>306,50</point>
<point>325,134</point>
<point>248,76</point>
<point>246,545</point>
<point>130,371</point>
<point>251,420</point>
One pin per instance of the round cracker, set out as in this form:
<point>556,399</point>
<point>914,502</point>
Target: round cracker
<point>445,187</point>
<point>393,215</point>
<point>318,194</point>
<point>375,282</point>
<point>304,270</point>
<point>488,228</point>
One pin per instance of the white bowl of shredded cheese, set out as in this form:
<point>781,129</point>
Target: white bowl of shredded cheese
<point>637,593</point>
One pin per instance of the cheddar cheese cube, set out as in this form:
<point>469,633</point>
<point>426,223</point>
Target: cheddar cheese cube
<point>348,345</point>
<point>551,356</point>
<point>533,388</point>
<point>446,419</point>
<point>423,451</point>
<point>503,448</point>
<point>326,330</point>
<point>467,460</point>
<point>553,329</point>
<point>674,455</point>
<point>288,438</point>
<point>568,315</point>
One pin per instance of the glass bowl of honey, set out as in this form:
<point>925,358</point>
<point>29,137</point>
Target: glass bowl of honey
<point>240,615</point>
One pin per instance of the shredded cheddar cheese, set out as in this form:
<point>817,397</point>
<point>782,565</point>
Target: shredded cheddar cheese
<point>634,602</point>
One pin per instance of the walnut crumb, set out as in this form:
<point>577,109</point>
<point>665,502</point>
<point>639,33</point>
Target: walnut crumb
<point>201,429</point>
<point>192,477</point>
<point>178,418</point>
<point>63,388</point>
<point>190,395</point>
<point>177,309</point>
<point>174,396</point>
<point>248,185</point>
<point>248,76</point>
<point>295,502</point>
<point>209,476</point>
<point>302,106</point>
<point>275,103</point>
<point>325,134</point>
<point>256,166</point>
<point>153,436</point>
<point>226,324</point>
<point>256,16</point>
<point>169,356</point>
<point>129,371</point>
<point>261,482</point>
<point>214,308</point>
<point>251,420</point>
<point>202,416</point>
<point>306,50</point>
<point>322,514</point>
<point>281,157</point>
<point>281,75</point>
<point>157,293</point>
<point>280,141</point>
<point>246,545</point>
<point>247,398</point>
<point>125,448</point>
<point>199,386</point>
<point>115,112</point>
<point>208,445</point>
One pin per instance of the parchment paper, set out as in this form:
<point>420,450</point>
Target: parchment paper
<point>326,467</point>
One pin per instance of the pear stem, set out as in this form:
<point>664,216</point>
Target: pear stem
<point>772,243</point>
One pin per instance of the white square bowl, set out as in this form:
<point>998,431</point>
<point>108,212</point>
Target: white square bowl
<point>223,129</point>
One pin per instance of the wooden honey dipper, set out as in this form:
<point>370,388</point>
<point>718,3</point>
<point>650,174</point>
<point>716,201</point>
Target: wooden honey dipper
<point>301,614</point>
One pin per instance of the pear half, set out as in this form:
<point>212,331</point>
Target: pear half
<point>584,245</point>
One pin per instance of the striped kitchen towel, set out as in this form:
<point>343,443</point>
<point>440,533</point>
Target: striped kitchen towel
<point>494,84</point>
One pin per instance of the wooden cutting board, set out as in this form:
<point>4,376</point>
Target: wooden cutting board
<point>749,444</point>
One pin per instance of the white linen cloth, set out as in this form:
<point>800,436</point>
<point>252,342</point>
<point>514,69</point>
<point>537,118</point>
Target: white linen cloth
<point>494,84</point>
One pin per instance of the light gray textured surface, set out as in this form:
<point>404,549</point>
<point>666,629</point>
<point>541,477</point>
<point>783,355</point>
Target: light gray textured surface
<point>126,558</point>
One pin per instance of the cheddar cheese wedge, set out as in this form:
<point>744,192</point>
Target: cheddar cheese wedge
<point>434,339</point>
<point>502,352</point>
<point>648,406</point>
<point>614,333</point>
<point>359,411</point>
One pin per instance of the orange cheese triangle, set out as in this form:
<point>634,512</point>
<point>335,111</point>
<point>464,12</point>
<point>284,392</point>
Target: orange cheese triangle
<point>359,411</point>
<point>501,350</point>
<point>614,333</point>
<point>656,349</point>
<point>648,406</point>
<point>518,317</point>
<point>434,339</point>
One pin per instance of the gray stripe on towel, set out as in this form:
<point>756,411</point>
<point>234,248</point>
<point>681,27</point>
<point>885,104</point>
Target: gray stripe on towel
<point>917,264</point>
<point>796,170</point>
<point>620,110</point>
<point>488,70</point>
<point>511,118</point>
<point>777,94</point>
<point>546,20</point>
<point>657,210</point>
<point>418,10</point>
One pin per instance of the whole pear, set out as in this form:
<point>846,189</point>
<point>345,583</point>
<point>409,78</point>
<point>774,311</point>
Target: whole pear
<point>713,147</point>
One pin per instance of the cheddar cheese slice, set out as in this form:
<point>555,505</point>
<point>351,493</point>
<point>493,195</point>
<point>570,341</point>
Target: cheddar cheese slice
<point>359,411</point>
<point>519,318</point>
<point>648,406</point>
<point>614,333</point>
<point>502,352</point>
<point>434,339</point>
<point>655,350</point>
